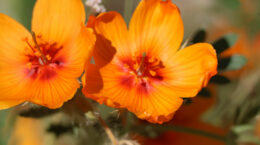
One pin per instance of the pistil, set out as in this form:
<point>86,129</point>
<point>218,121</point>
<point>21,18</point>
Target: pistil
<point>141,67</point>
<point>42,57</point>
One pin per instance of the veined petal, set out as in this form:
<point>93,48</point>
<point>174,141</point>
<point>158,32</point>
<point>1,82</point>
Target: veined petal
<point>156,27</point>
<point>190,69</point>
<point>9,103</point>
<point>150,79</point>
<point>119,90</point>
<point>110,84</point>
<point>53,93</point>
<point>12,62</point>
<point>12,35</point>
<point>112,26</point>
<point>58,20</point>
<point>64,45</point>
<point>77,52</point>
<point>158,106</point>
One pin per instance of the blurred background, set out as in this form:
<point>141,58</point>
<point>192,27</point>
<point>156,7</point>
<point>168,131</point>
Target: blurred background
<point>227,112</point>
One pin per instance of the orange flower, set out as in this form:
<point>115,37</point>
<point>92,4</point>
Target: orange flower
<point>43,67</point>
<point>148,75</point>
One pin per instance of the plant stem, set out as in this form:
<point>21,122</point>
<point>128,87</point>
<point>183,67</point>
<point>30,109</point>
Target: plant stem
<point>196,132</point>
<point>108,131</point>
<point>163,128</point>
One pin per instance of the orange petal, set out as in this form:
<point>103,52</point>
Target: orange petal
<point>9,103</point>
<point>53,93</point>
<point>12,42</point>
<point>12,62</point>
<point>78,52</point>
<point>110,84</point>
<point>156,27</point>
<point>157,106</point>
<point>112,26</point>
<point>91,21</point>
<point>58,20</point>
<point>92,80</point>
<point>190,69</point>
<point>103,53</point>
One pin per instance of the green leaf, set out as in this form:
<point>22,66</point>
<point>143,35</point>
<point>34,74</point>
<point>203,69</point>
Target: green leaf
<point>237,62</point>
<point>223,62</point>
<point>221,45</point>
<point>225,42</point>
<point>219,79</point>
<point>199,36</point>
<point>231,38</point>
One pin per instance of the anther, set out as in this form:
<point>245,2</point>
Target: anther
<point>29,65</point>
<point>126,66</point>
<point>141,67</point>
<point>136,66</point>
<point>132,72</point>
<point>153,73</point>
<point>38,54</point>
<point>151,60</point>
<point>48,57</point>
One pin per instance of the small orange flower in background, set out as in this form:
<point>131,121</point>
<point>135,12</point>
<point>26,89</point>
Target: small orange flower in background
<point>148,73</point>
<point>43,67</point>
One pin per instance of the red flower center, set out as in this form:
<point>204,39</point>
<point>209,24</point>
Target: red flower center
<point>43,60</point>
<point>142,70</point>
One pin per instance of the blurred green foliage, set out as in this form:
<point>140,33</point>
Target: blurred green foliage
<point>3,115</point>
<point>20,10</point>
<point>231,4</point>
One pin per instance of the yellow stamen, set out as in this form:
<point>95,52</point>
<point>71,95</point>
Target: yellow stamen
<point>126,66</point>
<point>48,57</point>
<point>37,53</point>
<point>141,67</point>
<point>136,66</point>
<point>131,72</point>
<point>153,73</point>
<point>29,65</point>
<point>151,60</point>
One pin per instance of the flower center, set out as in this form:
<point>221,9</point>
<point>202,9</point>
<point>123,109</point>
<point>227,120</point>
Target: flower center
<point>142,72</point>
<point>42,57</point>
<point>145,67</point>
